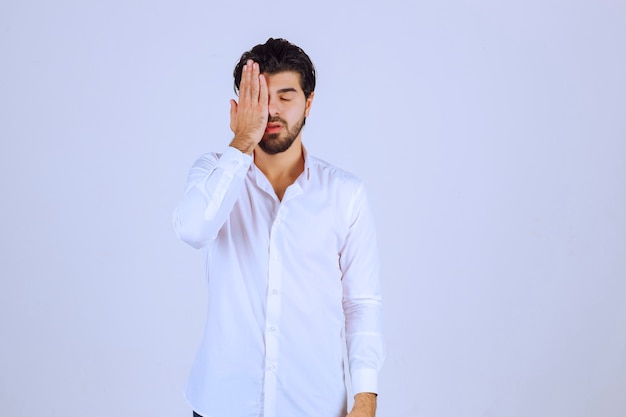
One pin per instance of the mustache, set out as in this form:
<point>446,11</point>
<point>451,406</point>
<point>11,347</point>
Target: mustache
<point>276,119</point>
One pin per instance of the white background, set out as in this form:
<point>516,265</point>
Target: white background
<point>491,136</point>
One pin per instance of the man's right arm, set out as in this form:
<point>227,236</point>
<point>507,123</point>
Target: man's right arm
<point>214,182</point>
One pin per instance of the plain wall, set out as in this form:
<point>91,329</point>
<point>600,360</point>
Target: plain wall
<point>492,139</point>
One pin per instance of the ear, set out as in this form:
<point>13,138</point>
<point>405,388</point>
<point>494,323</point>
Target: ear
<point>307,105</point>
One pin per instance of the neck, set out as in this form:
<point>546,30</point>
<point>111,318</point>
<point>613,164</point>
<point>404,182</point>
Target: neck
<point>281,169</point>
<point>281,164</point>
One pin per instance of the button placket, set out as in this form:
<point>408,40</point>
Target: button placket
<point>272,319</point>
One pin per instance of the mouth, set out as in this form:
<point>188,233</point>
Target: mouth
<point>273,128</point>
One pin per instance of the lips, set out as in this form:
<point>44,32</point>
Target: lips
<point>273,127</point>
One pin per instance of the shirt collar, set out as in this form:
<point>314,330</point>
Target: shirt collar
<point>307,165</point>
<point>299,184</point>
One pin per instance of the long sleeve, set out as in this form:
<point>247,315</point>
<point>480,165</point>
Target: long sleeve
<point>362,298</point>
<point>212,187</point>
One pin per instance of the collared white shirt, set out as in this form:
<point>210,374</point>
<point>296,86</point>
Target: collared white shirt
<point>284,277</point>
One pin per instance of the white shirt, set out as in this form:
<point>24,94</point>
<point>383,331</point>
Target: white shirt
<point>283,279</point>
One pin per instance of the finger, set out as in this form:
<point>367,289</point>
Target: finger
<point>254,82</point>
<point>233,114</point>
<point>263,94</point>
<point>245,82</point>
<point>250,80</point>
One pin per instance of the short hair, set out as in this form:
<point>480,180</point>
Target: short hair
<point>278,55</point>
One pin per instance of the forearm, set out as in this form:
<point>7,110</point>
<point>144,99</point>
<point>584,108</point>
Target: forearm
<point>212,188</point>
<point>365,342</point>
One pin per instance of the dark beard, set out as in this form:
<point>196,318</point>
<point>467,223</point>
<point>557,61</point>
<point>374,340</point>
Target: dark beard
<point>273,143</point>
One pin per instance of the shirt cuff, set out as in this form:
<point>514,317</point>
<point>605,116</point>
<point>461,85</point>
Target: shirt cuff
<point>364,380</point>
<point>235,162</point>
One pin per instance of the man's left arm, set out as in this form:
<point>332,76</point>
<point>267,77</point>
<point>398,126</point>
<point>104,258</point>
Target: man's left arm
<point>362,304</point>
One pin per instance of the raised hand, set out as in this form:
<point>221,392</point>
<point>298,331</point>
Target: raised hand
<point>248,118</point>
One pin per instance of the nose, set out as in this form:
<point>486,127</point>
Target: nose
<point>274,106</point>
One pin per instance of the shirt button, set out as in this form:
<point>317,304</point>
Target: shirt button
<point>275,292</point>
<point>272,329</point>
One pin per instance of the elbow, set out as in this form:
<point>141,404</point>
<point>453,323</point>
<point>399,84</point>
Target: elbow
<point>351,305</point>
<point>193,236</point>
<point>193,242</point>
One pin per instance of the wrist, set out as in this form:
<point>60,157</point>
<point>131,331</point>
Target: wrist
<point>365,401</point>
<point>244,145</point>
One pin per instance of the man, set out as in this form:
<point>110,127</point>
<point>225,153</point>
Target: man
<point>291,259</point>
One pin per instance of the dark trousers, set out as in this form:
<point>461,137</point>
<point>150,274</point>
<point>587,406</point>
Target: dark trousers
<point>196,414</point>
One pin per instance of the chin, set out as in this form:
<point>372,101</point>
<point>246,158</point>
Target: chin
<point>274,145</point>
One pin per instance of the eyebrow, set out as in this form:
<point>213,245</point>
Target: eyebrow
<point>287,90</point>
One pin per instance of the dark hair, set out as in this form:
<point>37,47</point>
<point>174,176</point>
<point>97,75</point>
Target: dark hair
<point>278,55</point>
